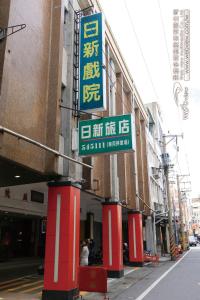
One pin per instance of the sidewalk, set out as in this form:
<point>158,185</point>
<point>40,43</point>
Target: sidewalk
<point>132,275</point>
<point>116,286</point>
<point>15,263</point>
<point>165,258</point>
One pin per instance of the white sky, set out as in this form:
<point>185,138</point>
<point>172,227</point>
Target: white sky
<point>149,17</point>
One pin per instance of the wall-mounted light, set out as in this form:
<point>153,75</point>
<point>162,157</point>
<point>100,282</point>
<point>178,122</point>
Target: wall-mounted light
<point>17,176</point>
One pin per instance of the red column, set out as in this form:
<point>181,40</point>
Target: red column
<point>112,239</point>
<point>135,235</point>
<point>62,242</point>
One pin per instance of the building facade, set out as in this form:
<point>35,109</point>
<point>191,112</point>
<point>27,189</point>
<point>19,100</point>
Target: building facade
<point>158,228</point>
<point>195,226</point>
<point>39,107</point>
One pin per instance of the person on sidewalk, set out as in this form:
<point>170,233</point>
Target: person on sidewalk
<point>84,254</point>
<point>125,253</point>
<point>91,258</point>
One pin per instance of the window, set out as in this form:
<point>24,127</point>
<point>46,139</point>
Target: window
<point>37,197</point>
<point>65,14</point>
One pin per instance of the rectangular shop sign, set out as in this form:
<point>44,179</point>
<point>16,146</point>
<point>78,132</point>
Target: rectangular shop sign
<point>106,135</point>
<point>92,59</point>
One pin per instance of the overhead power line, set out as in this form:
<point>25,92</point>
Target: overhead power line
<point>165,37</point>
<point>114,86</point>
<point>140,48</point>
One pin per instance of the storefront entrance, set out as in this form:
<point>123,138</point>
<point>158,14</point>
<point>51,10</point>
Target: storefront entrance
<point>20,236</point>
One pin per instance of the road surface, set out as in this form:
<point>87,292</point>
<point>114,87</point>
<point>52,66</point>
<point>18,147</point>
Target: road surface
<point>181,281</point>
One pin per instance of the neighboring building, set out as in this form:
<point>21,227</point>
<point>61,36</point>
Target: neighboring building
<point>181,203</point>
<point>187,213</point>
<point>155,149</point>
<point>156,181</point>
<point>195,226</point>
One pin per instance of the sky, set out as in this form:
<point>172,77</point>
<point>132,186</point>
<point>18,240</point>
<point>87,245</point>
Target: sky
<point>143,30</point>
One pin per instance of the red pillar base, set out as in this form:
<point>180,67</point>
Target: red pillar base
<point>135,264</point>
<point>135,235</point>
<point>115,274</point>
<point>59,295</point>
<point>112,239</point>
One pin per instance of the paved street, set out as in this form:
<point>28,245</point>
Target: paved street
<point>168,280</point>
<point>19,280</point>
<point>180,281</point>
<point>15,268</point>
<point>27,287</point>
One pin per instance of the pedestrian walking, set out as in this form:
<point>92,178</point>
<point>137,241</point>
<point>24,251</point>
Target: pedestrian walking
<point>91,258</point>
<point>125,253</point>
<point>84,254</point>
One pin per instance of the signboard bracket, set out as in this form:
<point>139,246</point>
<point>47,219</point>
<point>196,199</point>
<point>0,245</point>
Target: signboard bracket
<point>77,16</point>
<point>76,65</point>
<point>5,32</point>
<point>81,111</point>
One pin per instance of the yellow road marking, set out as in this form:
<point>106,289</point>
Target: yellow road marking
<point>38,294</point>
<point>24,285</point>
<point>10,284</point>
<point>16,279</point>
<point>32,289</point>
<point>83,293</point>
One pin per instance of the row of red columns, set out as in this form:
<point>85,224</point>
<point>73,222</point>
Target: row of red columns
<point>62,241</point>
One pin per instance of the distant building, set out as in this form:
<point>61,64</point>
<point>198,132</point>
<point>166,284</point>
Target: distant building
<point>156,176</point>
<point>195,226</point>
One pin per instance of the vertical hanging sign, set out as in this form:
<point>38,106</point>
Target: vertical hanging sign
<point>92,74</point>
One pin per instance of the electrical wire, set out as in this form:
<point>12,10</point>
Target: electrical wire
<point>145,203</point>
<point>117,93</point>
<point>140,48</point>
<point>117,80</point>
<point>165,38</point>
<point>113,84</point>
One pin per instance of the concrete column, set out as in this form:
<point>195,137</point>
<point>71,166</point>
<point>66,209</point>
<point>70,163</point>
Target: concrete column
<point>89,228</point>
<point>112,239</point>
<point>140,164</point>
<point>135,238</point>
<point>37,235</point>
<point>62,242</point>
<point>167,239</point>
<point>114,181</point>
<point>149,235</point>
<point>146,178</point>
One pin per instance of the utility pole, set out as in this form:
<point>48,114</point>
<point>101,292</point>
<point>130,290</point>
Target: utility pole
<point>181,214</point>
<point>175,225</point>
<point>171,231</point>
<point>166,172</point>
<point>180,191</point>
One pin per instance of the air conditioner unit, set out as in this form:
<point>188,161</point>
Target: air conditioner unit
<point>156,176</point>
